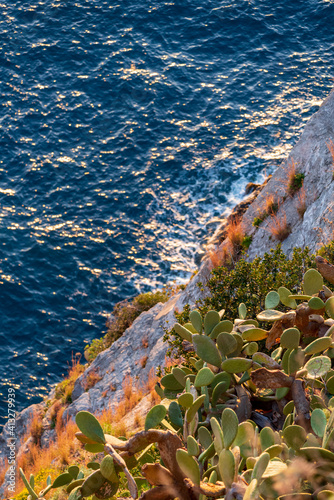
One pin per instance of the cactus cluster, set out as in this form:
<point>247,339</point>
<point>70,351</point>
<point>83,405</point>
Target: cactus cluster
<point>252,403</point>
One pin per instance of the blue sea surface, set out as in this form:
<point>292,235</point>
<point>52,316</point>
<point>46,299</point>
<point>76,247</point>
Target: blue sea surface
<point>127,129</point>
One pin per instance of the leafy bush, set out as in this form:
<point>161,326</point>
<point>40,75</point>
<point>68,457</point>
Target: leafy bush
<point>237,422</point>
<point>296,183</point>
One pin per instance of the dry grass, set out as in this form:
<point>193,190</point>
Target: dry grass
<point>271,205</point>
<point>219,256</point>
<point>58,454</point>
<point>279,227</point>
<point>36,428</point>
<point>301,202</point>
<point>235,234</point>
<point>65,387</point>
<point>93,378</point>
<point>144,342</point>
<point>143,361</point>
<point>294,179</point>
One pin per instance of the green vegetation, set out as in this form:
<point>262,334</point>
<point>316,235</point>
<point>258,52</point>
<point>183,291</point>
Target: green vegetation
<point>251,415</point>
<point>124,314</point>
<point>295,183</point>
<point>247,282</point>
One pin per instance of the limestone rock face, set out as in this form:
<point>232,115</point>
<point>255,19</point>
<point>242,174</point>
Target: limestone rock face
<point>312,157</point>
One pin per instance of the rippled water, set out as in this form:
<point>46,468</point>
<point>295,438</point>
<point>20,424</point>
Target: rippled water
<point>126,130</point>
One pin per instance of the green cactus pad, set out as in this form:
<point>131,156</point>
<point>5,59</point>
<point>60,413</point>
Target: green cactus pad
<point>74,471</point>
<point>245,438</point>
<point>226,343</point>
<point>325,495</point>
<point>89,426</point>
<point>281,392</point>
<point>260,466</point>
<point>204,377</point>
<point>242,309</point>
<point>221,377</point>
<point>218,391</point>
<point>318,345</point>
<point>236,365</point>
<point>330,385</point>
<point>315,453</point>
<point>199,365</point>
<point>318,366</point>
<point>186,400</point>
<point>188,465</point>
<point>316,303</point>
<point>288,408</point>
<point>28,485</point>
<point>318,422</point>
<point>107,490</point>
<point>175,414</point>
<point>204,437</point>
<point>274,468</point>
<point>272,300</point>
<point>296,360</point>
<point>254,334</point>
<point>155,416</point>
<point>285,360</point>
<point>92,483</point>
<point>196,320</point>
<point>274,451</point>
<point>290,338</point>
<point>93,465</point>
<point>223,326</point>
<point>270,315</point>
<point>284,295</point>
<point>192,446</point>
<point>213,477</point>
<point>218,433</point>
<point>251,492</point>
<point>190,327</point>
<point>313,282</point>
<point>75,494</point>
<point>183,332</point>
<point>251,348</point>
<point>107,468</point>
<point>211,319</point>
<point>62,480</point>
<point>301,296</point>
<point>226,466</point>
<point>264,359</point>
<point>170,383</point>
<point>191,412</point>
<point>295,436</point>
<point>267,438</point>
<point>94,448</point>
<point>207,350</point>
<point>179,375</point>
<point>229,425</point>
<point>329,307</point>
<point>74,484</point>
<point>240,344</point>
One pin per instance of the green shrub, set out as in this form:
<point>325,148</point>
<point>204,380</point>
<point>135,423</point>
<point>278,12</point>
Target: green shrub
<point>257,221</point>
<point>296,183</point>
<point>247,282</point>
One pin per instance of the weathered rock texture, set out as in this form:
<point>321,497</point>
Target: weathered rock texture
<point>141,347</point>
<point>312,157</point>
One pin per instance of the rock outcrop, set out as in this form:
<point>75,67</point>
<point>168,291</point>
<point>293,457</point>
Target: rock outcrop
<point>308,214</point>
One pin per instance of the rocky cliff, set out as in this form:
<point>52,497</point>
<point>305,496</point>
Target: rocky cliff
<point>308,216</point>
